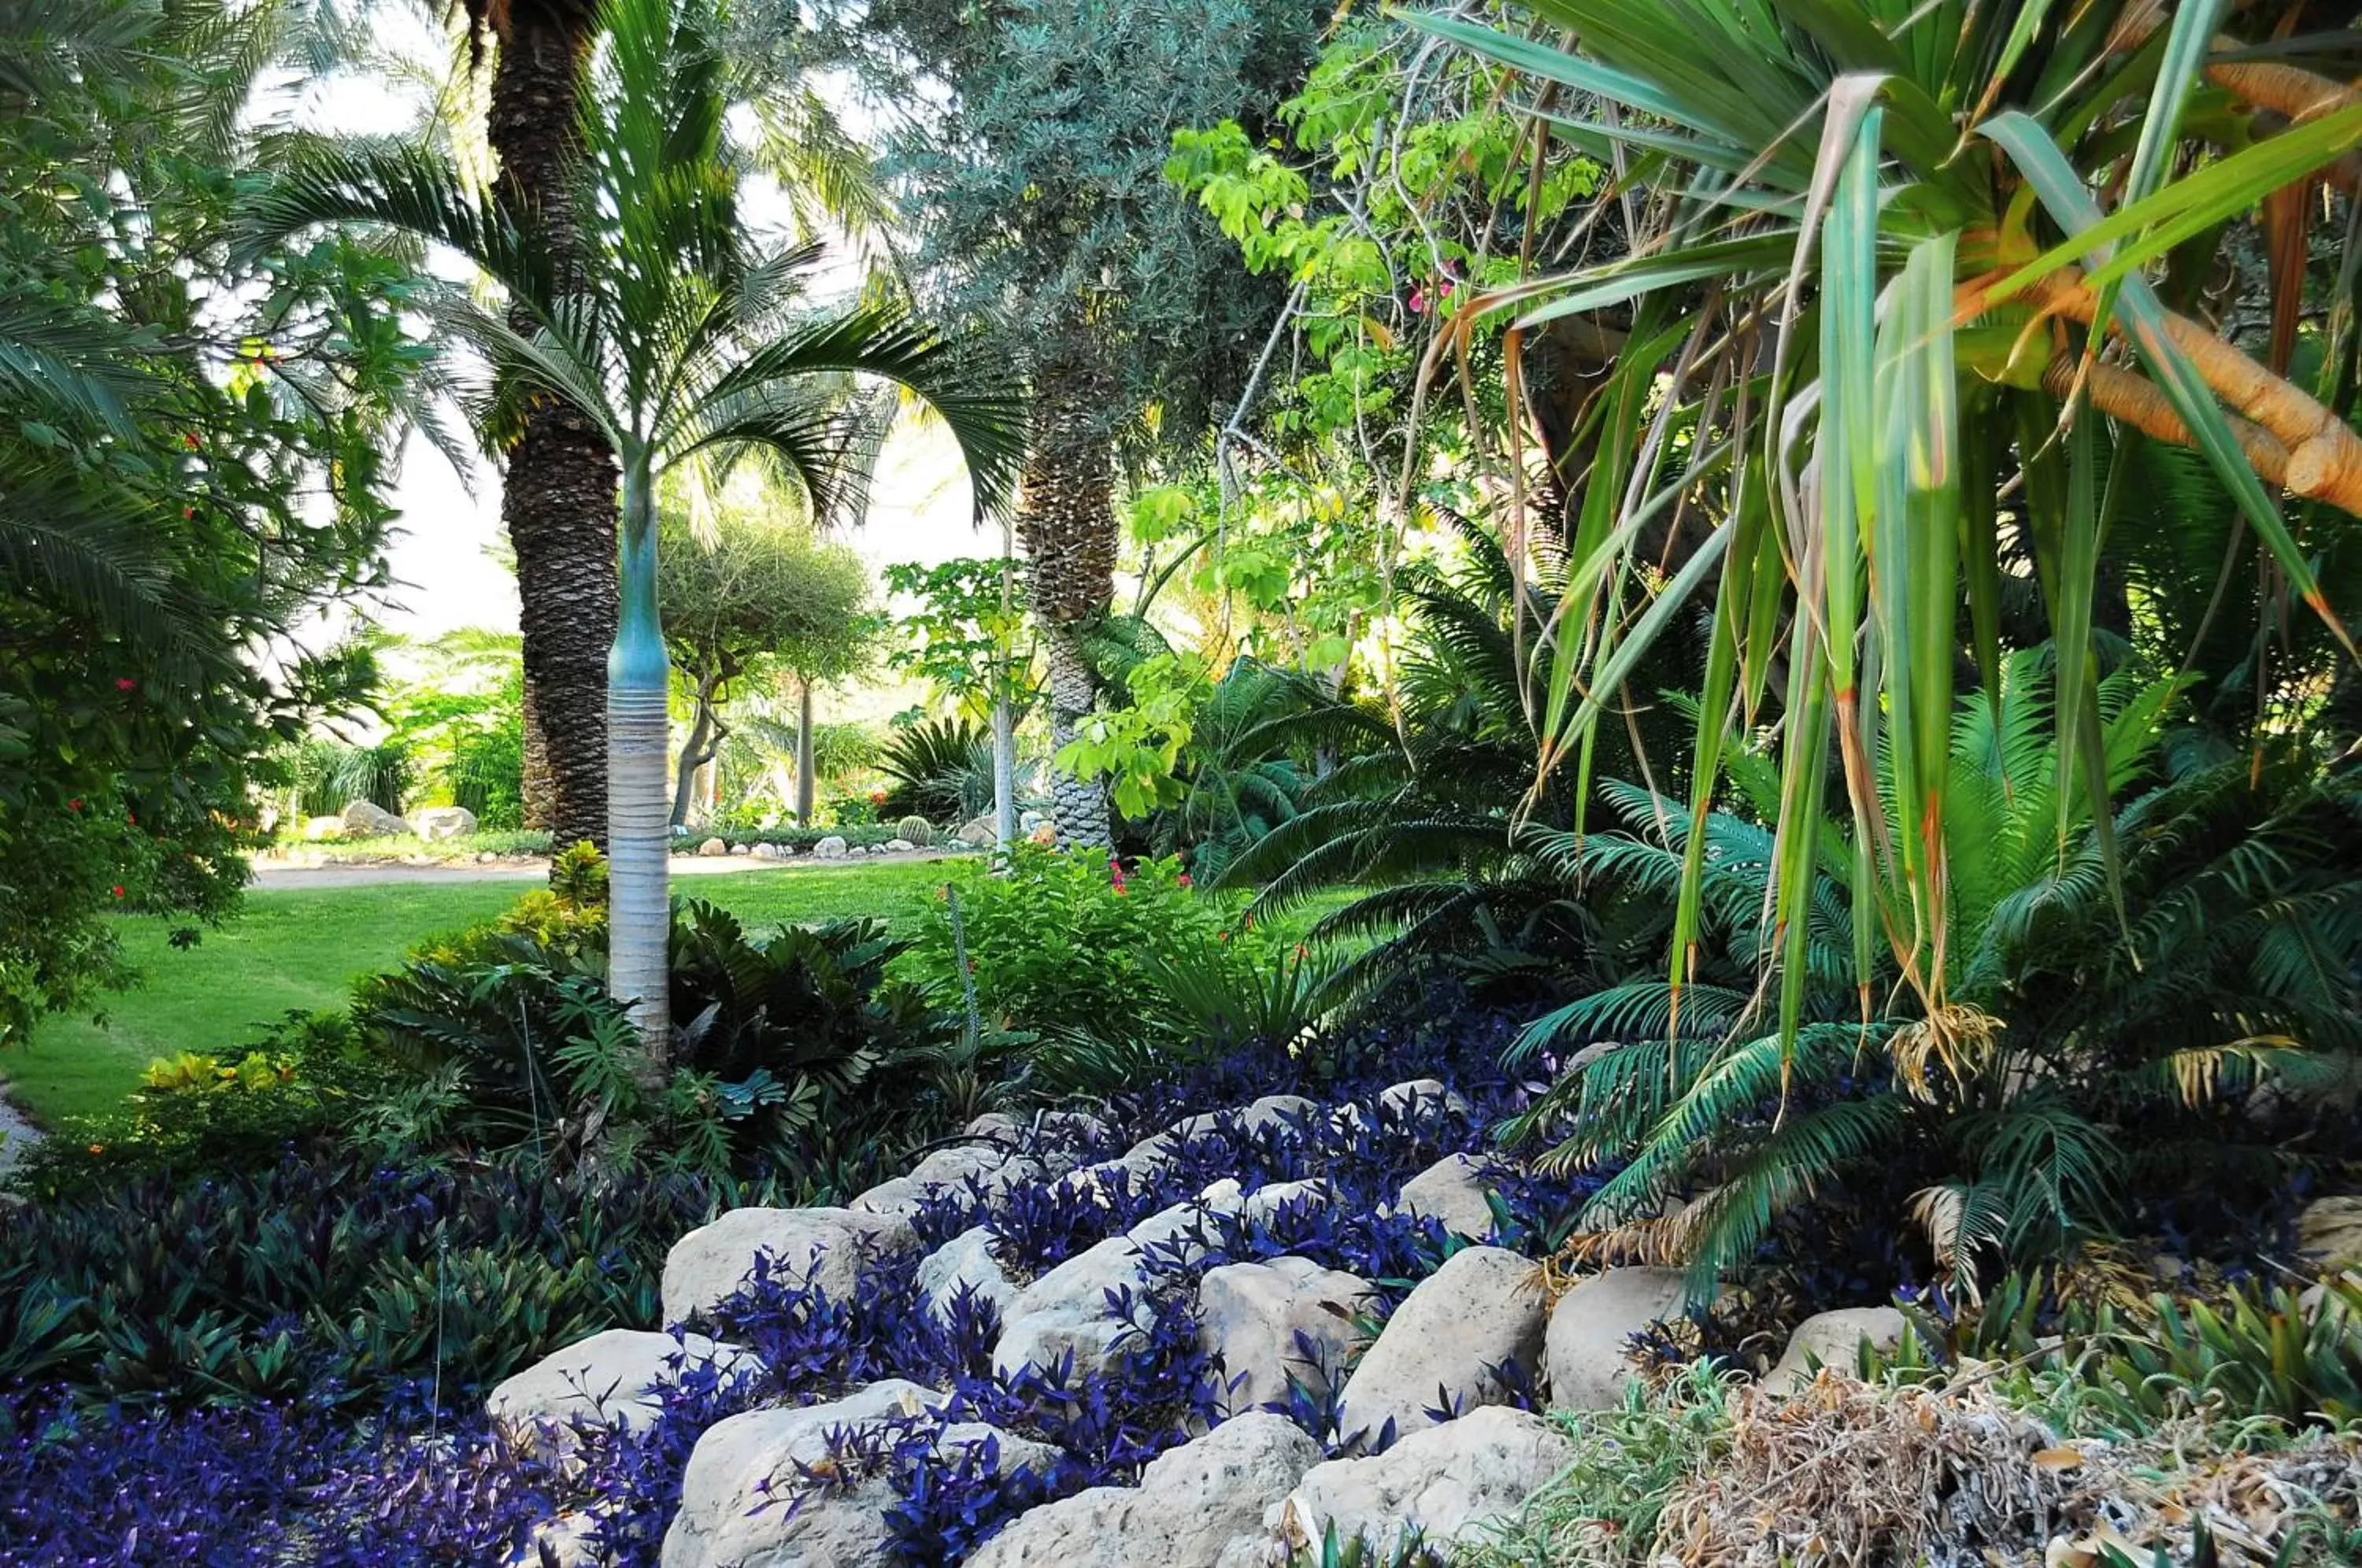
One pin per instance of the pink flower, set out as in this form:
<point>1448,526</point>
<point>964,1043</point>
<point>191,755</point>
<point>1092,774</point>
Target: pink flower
<point>1184,879</point>
<point>125,683</point>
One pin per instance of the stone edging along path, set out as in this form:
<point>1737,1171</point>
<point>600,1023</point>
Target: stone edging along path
<point>1327,1411</point>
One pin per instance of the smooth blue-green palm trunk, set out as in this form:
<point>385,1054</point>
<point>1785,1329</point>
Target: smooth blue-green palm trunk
<point>639,825</point>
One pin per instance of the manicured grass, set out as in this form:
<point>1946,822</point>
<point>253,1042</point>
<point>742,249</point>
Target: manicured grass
<point>302,948</point>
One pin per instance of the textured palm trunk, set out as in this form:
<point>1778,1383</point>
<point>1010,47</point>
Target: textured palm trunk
<point>639,832</point>
<point>557,500</point>
<point>1067,521</point>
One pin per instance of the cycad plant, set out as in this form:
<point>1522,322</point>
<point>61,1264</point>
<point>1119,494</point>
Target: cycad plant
<point>667,326</point>
<point>1419,812</point>
<point>1905,272</point>
<point>2081,1060</point>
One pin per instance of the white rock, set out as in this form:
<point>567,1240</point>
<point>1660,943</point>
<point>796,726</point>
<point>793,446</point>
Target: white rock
<point>976,831</point>
<point>438,822</point>
<point>1414,1103</point>
<point>1590,1365</point>
<point>321,829</point>
<point>712,849</point>
<point>1451,1484</point>
<point>1195,1506</point>
<point>610,1379</point>
<point>1835,1340</point>
<point>996,1170</point>
<point>741,849</point>
<point>899,846</point>
<point>1265,1202</point>
<point>831,849</point>
<point>485,857</point>
<point>740,1506</point>
<point>1066,1310</point>
<point>825,1245</point>
<point>1452,1192</point>
<point>572,1540</point>
<point>1028,820</point>
<point>1481,1310</point>
<point>367,819</point>
<point>1267,1324</point>
<point>1178,1233</point>
<point>2329,1232</point>
<point>965,1261</point>
<point>1273,1113</point>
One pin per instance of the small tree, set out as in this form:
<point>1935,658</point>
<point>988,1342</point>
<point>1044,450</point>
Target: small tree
<point>766,594</point>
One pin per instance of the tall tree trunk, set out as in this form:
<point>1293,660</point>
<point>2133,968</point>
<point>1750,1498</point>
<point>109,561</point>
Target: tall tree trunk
<point>557,500</point>
<point>807,786</point>
<point>639,836</point>
<point>1004,714</point>
<point>1067,521</point>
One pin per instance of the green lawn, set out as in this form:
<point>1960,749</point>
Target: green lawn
<point>302,948</point>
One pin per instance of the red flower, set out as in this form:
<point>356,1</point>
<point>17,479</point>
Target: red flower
<point>125,683</point>
<point>1185,879</point>
<point>131,817</point>
<point>189,439</point>
<point>118,889</point>
<point>187,512</point>
<point>74,804</point>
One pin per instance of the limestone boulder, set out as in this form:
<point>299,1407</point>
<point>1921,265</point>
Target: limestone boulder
<point>831,1248</point>
<point>1274,1113</point>
<point>832,847</point>
<point>899,846</point>
<point>611,1379</point>
<point>436,823</point>
<point>323,830</point>
<point>746,1501</point>
<point>976,831</point>
<point>1591,1329</point>
<point>966,1262</point>
<point>1834,1339</point>
<point>1069,1311</point>
<point>367,819</point>
<point>1480,1313</point>
<point>1451,1484</point>
<point>1198,1506</point>
<point>1418,1102</point>
<point>1268,1324</point>
<point>990,1169</point>
<point>2329,1232</point>
<point>1265,1203</point>
<point>713,849</point>
<point>1451,1192</point>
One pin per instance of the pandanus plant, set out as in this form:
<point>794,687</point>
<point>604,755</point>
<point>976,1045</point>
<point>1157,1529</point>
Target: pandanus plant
<point>1904,274</point>
<point>669,326</point>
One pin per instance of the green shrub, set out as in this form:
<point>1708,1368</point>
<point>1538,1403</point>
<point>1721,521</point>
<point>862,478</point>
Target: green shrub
<point>916,829</point>
<point>305,1080</point>
<point>1066,943</point>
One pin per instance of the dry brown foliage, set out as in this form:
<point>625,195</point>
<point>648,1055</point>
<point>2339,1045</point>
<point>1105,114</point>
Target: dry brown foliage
<point>1847,1472</point>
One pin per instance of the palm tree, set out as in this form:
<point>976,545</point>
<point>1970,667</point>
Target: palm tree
<point>557,504</point>
<point>663,325</point>
<point>557,497</point>
<point>1895,326</point>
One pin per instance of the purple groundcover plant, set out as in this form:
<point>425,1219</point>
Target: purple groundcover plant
<point>329,1480</point>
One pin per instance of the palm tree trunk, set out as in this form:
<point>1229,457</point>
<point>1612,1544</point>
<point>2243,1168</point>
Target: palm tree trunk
<point>639,911</point>
<point>1004,714</point>
<point>807,786</point>
<point>557,500</point>
<point>1067,520</point>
